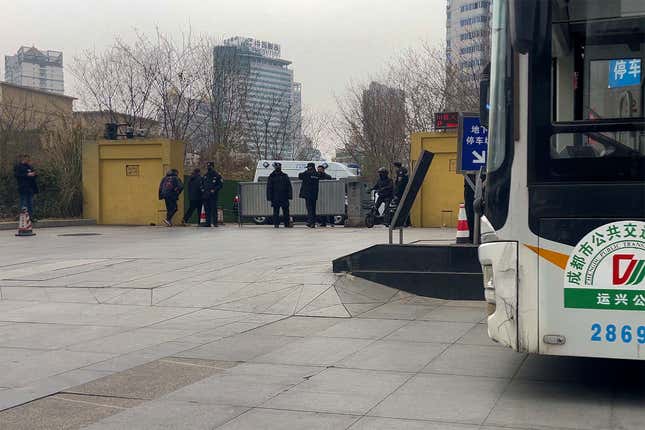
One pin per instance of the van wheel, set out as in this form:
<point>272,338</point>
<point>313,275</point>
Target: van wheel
<point>339,219</point>
<point>260,220</point>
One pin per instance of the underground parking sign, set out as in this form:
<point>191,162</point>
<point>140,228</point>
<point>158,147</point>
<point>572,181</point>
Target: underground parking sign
<point>472,144</point>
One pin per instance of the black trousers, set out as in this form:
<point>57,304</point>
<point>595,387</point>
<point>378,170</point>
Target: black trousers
<point>311,211</point>
<point>195,205</point>
<point>171,207</point>
<point>210,207</point>
<point>380,201</point>
<point>276,214</point>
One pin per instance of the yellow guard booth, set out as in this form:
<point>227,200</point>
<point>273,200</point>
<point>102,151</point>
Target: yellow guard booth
<point>437,204</point>
<point>121,180</point>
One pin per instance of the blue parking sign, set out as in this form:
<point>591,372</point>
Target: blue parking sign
<point>624,72</point>
<point>472,144</point>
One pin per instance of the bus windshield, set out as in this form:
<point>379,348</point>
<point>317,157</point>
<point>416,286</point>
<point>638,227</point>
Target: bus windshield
<point>597,52</point>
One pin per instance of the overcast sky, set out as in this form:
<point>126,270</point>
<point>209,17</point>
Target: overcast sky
<point>331,42</point>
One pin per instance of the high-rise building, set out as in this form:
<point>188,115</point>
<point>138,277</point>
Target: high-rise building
<point>272,110</point>
<point>468,33</point>
<point>33,68</point>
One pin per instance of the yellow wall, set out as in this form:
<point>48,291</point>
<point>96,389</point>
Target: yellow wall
<point>113,197</point>
<point>437,204</point>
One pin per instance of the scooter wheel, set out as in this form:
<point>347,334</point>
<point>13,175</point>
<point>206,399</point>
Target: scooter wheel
<point>369,221</point>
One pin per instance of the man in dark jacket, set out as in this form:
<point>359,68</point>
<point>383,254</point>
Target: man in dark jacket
<point>384,187</point>
<point>309,192</point>
<point>279,192</point>
<point>212,183</point>
<point>322,220</point>
<point>401,180</point>
<point>169,190</point>
<point>27,187</point>
<point>195,193</point>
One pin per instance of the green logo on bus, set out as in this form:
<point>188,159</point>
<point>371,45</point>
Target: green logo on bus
<point>607,268</point>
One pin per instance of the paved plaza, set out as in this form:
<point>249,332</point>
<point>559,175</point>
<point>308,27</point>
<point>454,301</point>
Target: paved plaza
<point>186,328</point>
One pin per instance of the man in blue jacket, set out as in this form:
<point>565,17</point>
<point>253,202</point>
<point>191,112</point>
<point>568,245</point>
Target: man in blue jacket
<point>27,187</point>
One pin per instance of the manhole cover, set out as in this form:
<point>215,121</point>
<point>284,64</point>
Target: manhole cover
<point>80,234</point>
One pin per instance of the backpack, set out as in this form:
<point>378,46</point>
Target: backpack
<point>168,186</point>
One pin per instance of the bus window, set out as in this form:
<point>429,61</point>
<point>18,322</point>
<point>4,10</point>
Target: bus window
<point>597,96</point>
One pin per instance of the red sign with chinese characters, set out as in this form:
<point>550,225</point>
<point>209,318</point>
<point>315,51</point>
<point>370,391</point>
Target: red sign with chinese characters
<point>446,120</point>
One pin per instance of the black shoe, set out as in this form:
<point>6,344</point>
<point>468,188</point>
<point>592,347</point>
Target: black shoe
<point>276,226</point>
<point>289,226</point>
<point>215,225</point>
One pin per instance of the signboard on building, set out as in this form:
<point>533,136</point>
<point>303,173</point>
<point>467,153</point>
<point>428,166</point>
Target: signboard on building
<point>472,144</point>
<point>446,120</point>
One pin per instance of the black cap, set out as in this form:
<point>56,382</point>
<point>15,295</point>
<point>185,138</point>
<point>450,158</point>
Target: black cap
<point>277,164</point>
<point>397,164</point>
<point>210,164</point>
<point>311,165</point>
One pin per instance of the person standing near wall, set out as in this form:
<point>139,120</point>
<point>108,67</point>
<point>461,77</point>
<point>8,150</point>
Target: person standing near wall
<point>322,220</point>
<point>279,192</point>
<point>195,192</point>
<point>309,192</point>
<point>169,190</point>
<point>27,186</point>
<point>212,183</point>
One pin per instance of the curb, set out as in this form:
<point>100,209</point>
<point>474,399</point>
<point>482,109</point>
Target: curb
<point>48,223</point>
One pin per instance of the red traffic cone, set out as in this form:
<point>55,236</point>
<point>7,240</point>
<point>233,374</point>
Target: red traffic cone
<point>24,224</point>
<point>202,216</point>
<point>463,232</point>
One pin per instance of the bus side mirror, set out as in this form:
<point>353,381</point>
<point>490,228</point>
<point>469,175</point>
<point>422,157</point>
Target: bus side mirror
<point>528,22</point>
<point>484,94</point>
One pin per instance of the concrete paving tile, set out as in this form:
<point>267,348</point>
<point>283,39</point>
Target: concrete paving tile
<point>142,356</point>
<point>28,271</point>
<point>352,289</point>
<point>138,316</point>
<point>170,415</point>
<point>456,314</point>
<point>627,408</point>
<point>478,335</point>
<point>231,389</point>
<point>357,309</point>
<point>398,311</point>
<point>243,347</point>
<point>540,404</point>
<point>334,311</point>
<point>203,319</point>
<point>459,399</point>
<point>346,391</point>
<point>152,380</point>
<point>373,423</point>
<point>308,293</point>
<point>287,296</point>
<point>68,313</point>
<point>363,328</point>
<point>266,419</point>
<point>477,360</point>
<point>24,293</point>
<point>7,305</point>
<point>44,365</point>
<point>279,373</point>
<point>326,304</point>
<point>129,341</point>
<point>297,326</point>
<point>479,304</point>
<point>315,351</point>
<point>120,296</point>
<point>394,356</point>
<point>51,336</point>
<point>204,295</point>
<point>62,412</point>
<point>431,331</point>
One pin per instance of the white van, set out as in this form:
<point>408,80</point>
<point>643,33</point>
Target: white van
<point>293,168</point>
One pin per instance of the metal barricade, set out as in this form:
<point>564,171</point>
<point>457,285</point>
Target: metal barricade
<point>253,199</point>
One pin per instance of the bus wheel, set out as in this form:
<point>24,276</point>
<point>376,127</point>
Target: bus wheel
<point>260,220</point>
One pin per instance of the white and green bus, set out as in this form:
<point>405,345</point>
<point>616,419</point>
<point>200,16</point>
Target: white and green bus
<point>563,231</point>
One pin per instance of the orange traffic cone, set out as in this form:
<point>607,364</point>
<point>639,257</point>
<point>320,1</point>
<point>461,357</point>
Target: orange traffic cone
<point>463,232</point>
<point>202,216</point>
<point>24,224</point>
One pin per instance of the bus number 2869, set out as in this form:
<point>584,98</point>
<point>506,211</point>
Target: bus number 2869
<point>615,333</point>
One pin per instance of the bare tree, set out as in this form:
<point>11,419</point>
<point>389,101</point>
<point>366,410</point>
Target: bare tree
<point>313,125</point>
<point>270,125</point>
<point>371,125</point>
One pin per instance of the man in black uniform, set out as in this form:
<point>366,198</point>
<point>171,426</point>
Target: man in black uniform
<point>195,193</point>
<point>279,192</point>
<point>211,184</point>
<point>309,192</point>
<point>385,189</point>
<point>169,190</point>
<point>26,178</point>
<point>322,220</point>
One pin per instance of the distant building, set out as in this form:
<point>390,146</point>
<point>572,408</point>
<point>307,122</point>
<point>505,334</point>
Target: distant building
<point>272,111</point>
<point>468,33</point>
<point>34,68</point>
